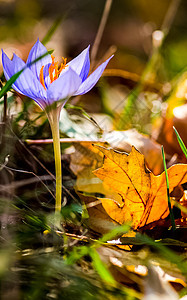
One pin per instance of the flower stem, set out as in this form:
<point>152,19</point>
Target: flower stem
<point>53,116</point>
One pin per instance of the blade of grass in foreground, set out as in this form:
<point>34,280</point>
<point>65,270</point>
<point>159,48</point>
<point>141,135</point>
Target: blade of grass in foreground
<point>114,233</point>
<point>100,267</point>
<point>167,183</point>
<point>9,83</point>
<point>181,143</point>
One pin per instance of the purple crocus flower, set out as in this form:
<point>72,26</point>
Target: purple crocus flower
<point>45,82</point>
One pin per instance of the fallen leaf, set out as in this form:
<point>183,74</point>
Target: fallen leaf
<point>123,141</point>
<point>143,195</point>
<point>98,221</point>
<point>84,160</point>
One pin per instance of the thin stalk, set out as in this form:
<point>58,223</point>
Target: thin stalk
<point>100,31</point>
<point>170,15</point>
<point>53,116</point>
<point>169,201</point>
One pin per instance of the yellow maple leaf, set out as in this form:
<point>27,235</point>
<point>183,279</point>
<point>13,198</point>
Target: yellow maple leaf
<point>143,195</point>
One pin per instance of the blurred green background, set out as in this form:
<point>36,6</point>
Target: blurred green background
<point>129,27</point>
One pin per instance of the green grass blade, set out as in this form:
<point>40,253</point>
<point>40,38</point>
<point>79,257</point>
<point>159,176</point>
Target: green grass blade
<point>100,267</point>
<point>167,183</point>
<point>9,83</point>
<point>119,230</point>
<point>181,143</point>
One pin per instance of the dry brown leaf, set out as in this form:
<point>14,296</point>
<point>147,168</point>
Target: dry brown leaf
<point>123,141</point>
<point>143,195</point>
<point>84,160</point>
<point>99,221</point>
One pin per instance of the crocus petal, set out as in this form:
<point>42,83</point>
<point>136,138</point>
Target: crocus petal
<point>26,83</point>
<point>47,80</point>
<point>81,63</point>
<point>89,83</point>
<point>8,68</point>
<point>38,50</point>
<point>63,87</point>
